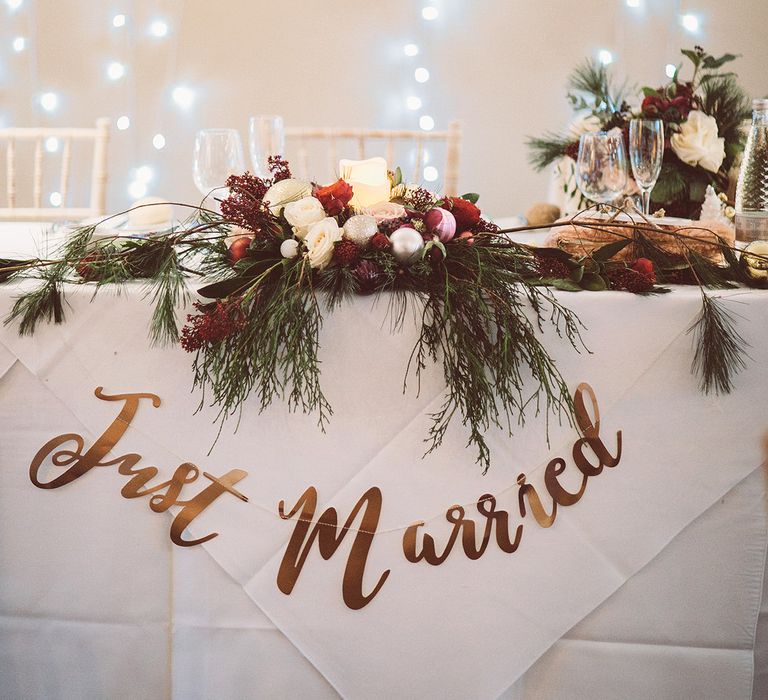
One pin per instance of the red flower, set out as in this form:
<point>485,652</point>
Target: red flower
<point>645,267</point>
<point>466,214</point>
<point>334,197</point>
<point>674,110</point>
<point>380,241</point>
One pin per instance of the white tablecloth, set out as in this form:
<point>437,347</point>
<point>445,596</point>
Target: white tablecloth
<point>650,586</point>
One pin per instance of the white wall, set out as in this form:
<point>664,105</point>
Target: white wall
<point>498,65</point>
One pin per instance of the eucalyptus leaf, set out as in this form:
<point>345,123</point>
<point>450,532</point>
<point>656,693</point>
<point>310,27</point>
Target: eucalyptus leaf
<point>220,290</point>
<point>556,253</point>
<point>577,273</point>
<point>606,252</point>
<point>593,282</point>
<point>565,285</point>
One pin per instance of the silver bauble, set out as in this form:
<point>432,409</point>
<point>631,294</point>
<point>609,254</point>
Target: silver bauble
<point>407,245</point>
<point>360,229</point>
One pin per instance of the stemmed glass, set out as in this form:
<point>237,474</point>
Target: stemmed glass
<point>646,150</point>
<point>601,168</point>
<point>218,154</point>
<point>266,137</point>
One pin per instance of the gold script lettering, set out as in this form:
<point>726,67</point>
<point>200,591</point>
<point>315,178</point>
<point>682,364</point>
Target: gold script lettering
<point>588,425</point>
<point>328,537</point>
<point>78,463</point>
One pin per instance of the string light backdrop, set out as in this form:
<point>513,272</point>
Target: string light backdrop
<point>163,69</point>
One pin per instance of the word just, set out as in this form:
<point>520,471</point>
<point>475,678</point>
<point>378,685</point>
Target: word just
<point>162,496</point>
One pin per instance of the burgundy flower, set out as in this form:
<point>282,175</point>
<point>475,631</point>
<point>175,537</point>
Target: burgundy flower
<point>335,197</point>
<point>214,323</point>
<point>466,214</point>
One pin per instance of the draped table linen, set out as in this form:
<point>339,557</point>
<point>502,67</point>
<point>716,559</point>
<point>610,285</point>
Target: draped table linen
<point>651,585</point>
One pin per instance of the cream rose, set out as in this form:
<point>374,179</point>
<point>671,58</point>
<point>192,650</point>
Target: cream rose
<point>698,142</point>
<point>385,211</point>
<point>303,214</point>
<point>320,241</point>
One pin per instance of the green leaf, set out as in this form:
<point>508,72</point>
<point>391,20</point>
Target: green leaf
<point>593,282</point>
<point>398,175</point>
<point>471,197</point>
<point>592,265</point>
<point>650,92</point>
<point>693,56</point>
<point>556,253</point>
<point>220,290</point>
<point>565,285</point>
<point>577,273</point>
<point>712,63</point>
<point>606,252</point>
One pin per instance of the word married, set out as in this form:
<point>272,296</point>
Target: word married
<point>589,454</point>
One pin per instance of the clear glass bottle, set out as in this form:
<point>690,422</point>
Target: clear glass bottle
<point>752,188</point>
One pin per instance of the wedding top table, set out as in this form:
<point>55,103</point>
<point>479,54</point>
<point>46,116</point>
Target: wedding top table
<point>650,586</point>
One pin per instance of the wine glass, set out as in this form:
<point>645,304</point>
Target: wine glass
<point>218,154</point>
<point>646,150</point>
<point>266,137</point>
<point>601,168</point>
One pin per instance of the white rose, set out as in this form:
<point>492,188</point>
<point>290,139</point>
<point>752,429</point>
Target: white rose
<point>289,248</point>
<point>284,191</point>
<point>384,211</point>
<point>320,241</point>
<point>698,142</point>
<point>302,214</point>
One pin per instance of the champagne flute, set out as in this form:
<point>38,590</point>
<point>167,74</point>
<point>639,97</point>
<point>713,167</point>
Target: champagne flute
<point>218,154</point>
<point>646,151</point>
<point>601,168</point>
<point>266,137</point>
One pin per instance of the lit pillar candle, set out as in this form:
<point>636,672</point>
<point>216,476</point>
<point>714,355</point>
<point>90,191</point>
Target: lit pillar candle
<point>369,180</point>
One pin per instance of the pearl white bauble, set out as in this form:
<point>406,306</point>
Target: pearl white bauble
<point>289,248</point>
<point>407,244</point>
<point>160,212</point>
<point>285,191</point>
<point>360,229</point>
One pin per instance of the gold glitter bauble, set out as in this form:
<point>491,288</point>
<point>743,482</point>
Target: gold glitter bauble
<point>756,268</point>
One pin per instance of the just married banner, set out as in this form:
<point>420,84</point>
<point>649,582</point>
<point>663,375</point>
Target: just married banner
<point>590,456</point>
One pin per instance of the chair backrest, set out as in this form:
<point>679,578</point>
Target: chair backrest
<point>13,137</point>
<point>377,142</point>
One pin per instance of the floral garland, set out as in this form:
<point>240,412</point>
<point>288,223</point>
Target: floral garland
<point>283,250</point>
<point>702,118</point>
